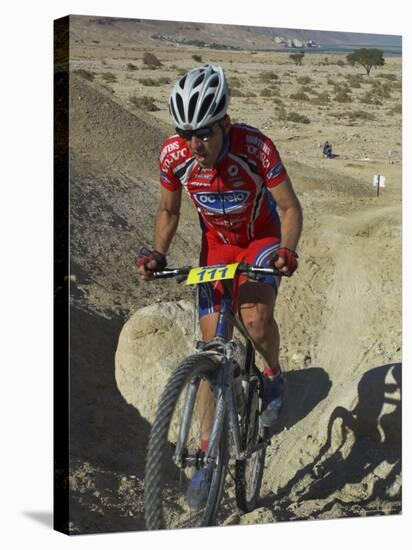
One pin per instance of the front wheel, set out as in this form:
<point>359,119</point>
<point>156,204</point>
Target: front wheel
<point>174,449</point>
<point>249,472</point>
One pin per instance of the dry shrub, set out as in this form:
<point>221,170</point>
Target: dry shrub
<point>300,96</point>
<point>354,80</point>
<point>352,165</point>
<point>296,117</point>
<point>309,90</point>
<point>381,89</point>
<point>321,99</point>
<point>268,76</point>
<point>145,103</point>
<point>151,60</point>
<point>388,76</point>
<point>361,115</point>
<point>109,77</point>
<point>304,79</point>
<point>85,74</point>
<point>353,116</point>
<point>153,82</point>
<point>269,92</point>
<point>341,87</point>
<point>325,61</point>
<point>369,98</point>
<point>343,97</point>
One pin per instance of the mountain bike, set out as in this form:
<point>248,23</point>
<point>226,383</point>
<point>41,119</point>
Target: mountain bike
<point>225,369</point>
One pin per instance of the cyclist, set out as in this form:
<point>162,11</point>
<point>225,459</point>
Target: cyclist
<point>236,179</point>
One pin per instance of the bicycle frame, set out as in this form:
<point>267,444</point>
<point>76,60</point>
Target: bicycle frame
<point>221,348</point>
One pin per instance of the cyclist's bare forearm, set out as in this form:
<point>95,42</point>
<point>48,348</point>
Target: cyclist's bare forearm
<point>167,219</point>
<point>291,227</point>
<point>291,213</point>
<point>165,228</point>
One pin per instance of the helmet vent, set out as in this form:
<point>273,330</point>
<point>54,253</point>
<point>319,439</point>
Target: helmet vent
<point>199,80</point>
<point>192,105</point>
<point>205,106</point>
<point>172,109</point>
<point>214,81</point>
<point>180,107</point>
<point>182,81</point>
<point>221,105</point>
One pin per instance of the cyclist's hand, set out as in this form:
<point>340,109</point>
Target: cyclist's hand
<point>286,261</point>
<point>149,261</point>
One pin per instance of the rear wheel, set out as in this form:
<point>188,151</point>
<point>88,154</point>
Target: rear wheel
<point>174,449</point>
<point>249,472</point>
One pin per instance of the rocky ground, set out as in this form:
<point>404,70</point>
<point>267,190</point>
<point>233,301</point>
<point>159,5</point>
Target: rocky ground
<point>336,452</point>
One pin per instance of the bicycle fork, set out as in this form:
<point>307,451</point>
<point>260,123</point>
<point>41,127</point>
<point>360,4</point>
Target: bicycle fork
<point>224,400</point>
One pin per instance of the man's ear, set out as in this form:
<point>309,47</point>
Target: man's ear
<point>226,123</point>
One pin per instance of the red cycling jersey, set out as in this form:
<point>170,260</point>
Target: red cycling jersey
<point>232,198</point>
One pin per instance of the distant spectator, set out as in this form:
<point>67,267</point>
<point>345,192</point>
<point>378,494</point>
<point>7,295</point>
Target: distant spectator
<point>327,150</point>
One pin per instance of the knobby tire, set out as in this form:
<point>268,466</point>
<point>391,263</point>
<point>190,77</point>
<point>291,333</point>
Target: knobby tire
<point>160,448</point>
<point>249,472</point>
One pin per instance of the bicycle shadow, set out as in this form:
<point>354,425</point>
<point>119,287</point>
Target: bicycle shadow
<point>375,439</point>
<point>304,390</point>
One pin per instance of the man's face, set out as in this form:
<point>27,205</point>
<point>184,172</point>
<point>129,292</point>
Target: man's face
<point>206,151</point>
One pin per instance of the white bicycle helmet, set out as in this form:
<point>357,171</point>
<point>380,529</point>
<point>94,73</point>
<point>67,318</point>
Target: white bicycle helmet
<point>199,98</point>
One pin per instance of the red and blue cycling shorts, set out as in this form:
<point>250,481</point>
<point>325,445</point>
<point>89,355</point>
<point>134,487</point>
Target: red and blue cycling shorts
<point>258,252</point>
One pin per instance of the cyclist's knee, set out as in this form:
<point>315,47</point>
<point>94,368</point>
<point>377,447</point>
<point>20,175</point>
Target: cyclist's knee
<point>258,322</point>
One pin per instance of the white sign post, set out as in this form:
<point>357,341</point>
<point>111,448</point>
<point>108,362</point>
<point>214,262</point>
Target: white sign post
<point>378,182</point>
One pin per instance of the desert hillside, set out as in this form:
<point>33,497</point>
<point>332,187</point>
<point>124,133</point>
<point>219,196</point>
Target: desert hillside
<point>336,451</point>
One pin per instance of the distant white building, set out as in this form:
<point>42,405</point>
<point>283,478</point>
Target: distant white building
<point>293,42</point>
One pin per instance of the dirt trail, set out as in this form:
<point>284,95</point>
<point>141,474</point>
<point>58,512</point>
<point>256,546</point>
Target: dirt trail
<point>356,299</point>
<point>354,349</point>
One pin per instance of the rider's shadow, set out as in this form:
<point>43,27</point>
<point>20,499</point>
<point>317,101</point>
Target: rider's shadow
<point>304,390</point>
<point>370,434</point>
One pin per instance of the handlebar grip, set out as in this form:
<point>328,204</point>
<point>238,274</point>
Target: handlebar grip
<point>180,274</point>
<point>254,272</point>
<point>167,274</point>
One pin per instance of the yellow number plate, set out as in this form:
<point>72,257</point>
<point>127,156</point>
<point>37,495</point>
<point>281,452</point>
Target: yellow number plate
<point>206,274</point>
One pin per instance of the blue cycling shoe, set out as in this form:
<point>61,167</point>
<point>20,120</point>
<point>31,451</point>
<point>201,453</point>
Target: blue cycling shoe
<point>273,393</point>
<point>199,486</point>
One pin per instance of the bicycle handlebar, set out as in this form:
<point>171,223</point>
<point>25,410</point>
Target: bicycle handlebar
<point>243,269</point>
